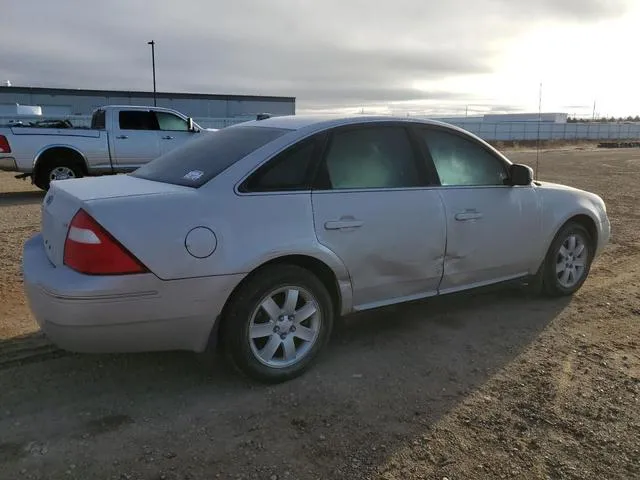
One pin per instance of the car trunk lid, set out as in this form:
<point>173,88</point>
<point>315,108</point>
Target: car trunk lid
<point>66,197</point>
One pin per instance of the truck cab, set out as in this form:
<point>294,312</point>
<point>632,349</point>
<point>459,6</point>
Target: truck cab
<point>137,135</point>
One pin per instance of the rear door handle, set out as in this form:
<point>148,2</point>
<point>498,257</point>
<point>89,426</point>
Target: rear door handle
<point>122,137</point>
<point>167,137</point>
<point>340,224</point>
<point>466,216</point>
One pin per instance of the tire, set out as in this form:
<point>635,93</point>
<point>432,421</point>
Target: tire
<point>245,313</point>
<point>58,167</point>
<point>558,278</point>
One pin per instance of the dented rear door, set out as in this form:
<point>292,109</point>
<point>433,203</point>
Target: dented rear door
<point>371,210</point>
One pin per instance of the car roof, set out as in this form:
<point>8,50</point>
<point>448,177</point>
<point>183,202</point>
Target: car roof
<point>311,124</point>
<point>297,122</point>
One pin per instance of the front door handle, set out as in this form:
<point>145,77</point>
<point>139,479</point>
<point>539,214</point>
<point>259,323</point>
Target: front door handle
<point>466,216</point>
<point>167,137</point>
<point>122,137</point>
<point>340,224</point>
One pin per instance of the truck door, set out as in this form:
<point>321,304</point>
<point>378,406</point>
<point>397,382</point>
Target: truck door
<point>134,139</point>
<point>174,131</point>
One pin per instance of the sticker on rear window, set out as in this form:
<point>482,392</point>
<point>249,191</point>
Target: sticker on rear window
<point>193,175</point>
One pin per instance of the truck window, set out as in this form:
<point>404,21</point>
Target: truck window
<point>98,120</point>
<point>196,162</point>
<point>137,120</point>
<point>169,121</point>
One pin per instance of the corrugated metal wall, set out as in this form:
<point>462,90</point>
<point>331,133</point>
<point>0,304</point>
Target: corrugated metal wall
<point>54,104</point>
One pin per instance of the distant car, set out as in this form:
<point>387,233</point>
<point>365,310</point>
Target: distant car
<point>259,235</point>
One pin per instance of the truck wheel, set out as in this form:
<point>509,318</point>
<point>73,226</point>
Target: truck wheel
<point>62,169</point>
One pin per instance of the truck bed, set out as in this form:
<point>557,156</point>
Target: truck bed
<point>68,132</point>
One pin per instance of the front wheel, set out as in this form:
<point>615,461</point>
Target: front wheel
<point>568,260</point>
<point>278,323</point>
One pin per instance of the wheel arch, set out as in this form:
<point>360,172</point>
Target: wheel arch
<point>46,152</point>
<point>582,218</point>
<point>589,224</point>
<point>318,267</point>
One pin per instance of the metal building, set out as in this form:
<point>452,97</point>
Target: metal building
<point>68,101</point>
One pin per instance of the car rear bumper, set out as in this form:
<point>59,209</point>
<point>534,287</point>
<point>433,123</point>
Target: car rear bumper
<point>8,164</point>
<point>124,313</point>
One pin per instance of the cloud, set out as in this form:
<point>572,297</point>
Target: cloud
<point>565,9</point>
<point>324,53</point>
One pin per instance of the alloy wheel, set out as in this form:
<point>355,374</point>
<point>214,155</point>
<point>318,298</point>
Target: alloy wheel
<point>571,260</point>
<point>284,327</point>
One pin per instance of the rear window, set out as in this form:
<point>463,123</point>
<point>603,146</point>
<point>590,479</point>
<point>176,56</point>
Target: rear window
<point>201,159</point>
<point>98,120</point>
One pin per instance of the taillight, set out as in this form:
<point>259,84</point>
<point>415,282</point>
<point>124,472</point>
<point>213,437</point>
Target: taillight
<point>90,249</point>
<point>4,145</point>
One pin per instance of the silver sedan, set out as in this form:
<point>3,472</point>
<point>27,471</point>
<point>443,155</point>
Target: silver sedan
<point>258,236</point>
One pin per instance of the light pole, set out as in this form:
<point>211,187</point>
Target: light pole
<point>153,65</point>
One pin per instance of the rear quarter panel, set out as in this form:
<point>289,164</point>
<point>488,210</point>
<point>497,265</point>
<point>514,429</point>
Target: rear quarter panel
<point>250,230</point>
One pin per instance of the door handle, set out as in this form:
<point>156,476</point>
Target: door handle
<point>167,137</point>
<point>466,216</point>
<point>340,224</point>
<point>122,137</point>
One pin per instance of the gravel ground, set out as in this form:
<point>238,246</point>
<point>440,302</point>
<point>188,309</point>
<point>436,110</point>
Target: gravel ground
<point>485,385</point>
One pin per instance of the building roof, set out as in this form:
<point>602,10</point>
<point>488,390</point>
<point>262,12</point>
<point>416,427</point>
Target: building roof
<point>139,94</point>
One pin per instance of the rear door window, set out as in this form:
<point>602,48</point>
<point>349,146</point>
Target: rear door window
<point>196,162</point>
<point>289,171</point>
<point>98,121</point>
<point>370,157</point>
<point>137,120</point>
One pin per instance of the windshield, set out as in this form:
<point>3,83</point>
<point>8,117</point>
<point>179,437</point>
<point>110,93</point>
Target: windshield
<point>199,160</point>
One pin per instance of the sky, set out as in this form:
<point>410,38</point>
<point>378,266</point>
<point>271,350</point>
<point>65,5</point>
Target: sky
<point>429,57</point>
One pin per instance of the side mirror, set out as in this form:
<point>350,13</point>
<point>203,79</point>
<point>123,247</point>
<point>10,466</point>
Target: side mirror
<point>520,174</point>
<point>191,126</point>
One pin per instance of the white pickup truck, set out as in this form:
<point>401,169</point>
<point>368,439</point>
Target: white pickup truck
<point>120,139</point>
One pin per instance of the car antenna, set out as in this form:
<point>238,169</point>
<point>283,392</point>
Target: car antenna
<point>263,116</point>
<point>539,122</point>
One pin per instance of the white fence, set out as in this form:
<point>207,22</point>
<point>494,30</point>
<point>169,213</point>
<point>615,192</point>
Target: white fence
<point>552,131</point>
<point>487,131</point>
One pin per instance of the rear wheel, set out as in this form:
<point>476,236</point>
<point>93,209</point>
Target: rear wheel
<point>568,260</point>
<point>278,323</point>
<point>56,169</point>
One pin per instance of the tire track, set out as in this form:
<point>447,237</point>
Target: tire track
<point>28,349</point>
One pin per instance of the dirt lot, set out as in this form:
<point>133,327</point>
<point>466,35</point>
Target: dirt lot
<point>491,385</point>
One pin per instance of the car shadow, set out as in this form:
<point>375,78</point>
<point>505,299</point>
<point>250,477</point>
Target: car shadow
<point>8,199</point>
<point>385,377</point>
